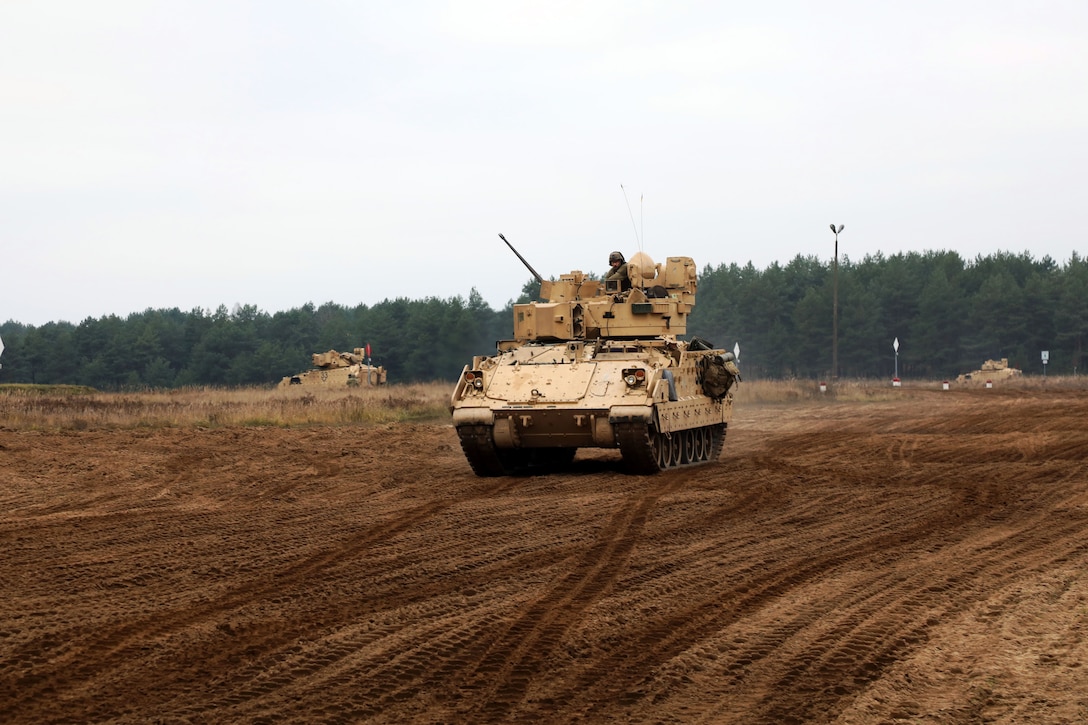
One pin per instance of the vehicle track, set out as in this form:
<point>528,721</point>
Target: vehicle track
<point>841,562</point>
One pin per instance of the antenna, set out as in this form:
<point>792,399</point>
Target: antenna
<point>633,225</point>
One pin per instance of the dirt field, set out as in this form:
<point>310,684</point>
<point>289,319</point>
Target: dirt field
<point>922,560</point>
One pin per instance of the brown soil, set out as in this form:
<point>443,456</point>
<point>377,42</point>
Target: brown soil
<point>922,560</point>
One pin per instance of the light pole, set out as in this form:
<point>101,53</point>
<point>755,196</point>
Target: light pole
<point>835,307</point>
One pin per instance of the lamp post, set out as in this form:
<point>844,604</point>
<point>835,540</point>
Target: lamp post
<point>835,307</point>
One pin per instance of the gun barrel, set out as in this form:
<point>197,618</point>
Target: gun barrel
<point>527,265</point>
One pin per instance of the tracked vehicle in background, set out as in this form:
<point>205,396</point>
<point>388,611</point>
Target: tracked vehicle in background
<point>598,365</point>
<point>339,369</point>
<point>992,370</point>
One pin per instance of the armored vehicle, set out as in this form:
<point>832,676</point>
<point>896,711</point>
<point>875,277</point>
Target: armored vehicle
<point>599,364</point>
<point>339,369</point>
<point>992,370</point>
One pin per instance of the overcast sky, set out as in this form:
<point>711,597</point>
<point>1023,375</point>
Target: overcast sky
<point>195,154</point>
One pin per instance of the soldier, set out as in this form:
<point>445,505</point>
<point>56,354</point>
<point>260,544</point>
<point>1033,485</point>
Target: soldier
<point>618,270</point>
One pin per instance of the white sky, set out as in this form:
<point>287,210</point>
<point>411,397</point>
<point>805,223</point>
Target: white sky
<point>191,154</point>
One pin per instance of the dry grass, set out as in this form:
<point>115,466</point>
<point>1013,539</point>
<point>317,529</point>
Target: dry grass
<point>30,407</point>
<point>67,407</point>
<point>798,391</point>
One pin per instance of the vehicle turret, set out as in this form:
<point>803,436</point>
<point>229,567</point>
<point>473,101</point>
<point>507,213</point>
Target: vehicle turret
<point>575,307</point>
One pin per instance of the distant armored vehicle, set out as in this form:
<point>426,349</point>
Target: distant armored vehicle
<point>339,369</point>
<point>992,370</point>
<point>595,365</point>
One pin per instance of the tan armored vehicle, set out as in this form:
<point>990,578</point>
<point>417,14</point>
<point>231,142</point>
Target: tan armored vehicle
<point>339,369</point>
<point>595,365</point>
<point>992,370</point>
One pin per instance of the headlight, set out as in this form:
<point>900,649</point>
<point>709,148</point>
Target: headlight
<point>634,376</point>
<point>475,378</point>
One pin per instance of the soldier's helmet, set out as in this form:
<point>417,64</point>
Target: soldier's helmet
<point>615,257</point>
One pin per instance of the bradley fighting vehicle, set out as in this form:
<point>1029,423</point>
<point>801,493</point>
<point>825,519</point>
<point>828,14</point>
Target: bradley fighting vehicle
<point>339,369</point>
<point>598,365</point>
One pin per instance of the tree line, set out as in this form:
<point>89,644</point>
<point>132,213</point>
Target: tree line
<point>949,315</point>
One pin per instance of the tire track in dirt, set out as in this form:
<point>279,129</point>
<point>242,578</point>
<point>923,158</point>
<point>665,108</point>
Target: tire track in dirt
<point>703,615</point>
<point>395,656</point>
<point>88,651</point>
<point>399,660</point>
<point>497,670</point>
<point>818,563</point>
<point>871,642</point>
<point>857,636</point>
<point>390,594</point>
